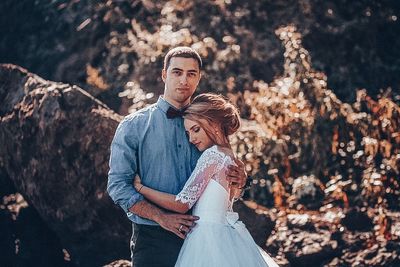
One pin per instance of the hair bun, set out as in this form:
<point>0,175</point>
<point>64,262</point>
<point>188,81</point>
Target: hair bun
<point>217,109</point>
<point>232,122</point>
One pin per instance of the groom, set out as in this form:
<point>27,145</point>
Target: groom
<point>152,144</point>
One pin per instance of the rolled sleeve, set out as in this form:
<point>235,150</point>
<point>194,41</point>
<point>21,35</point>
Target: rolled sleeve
<point>123,166</point>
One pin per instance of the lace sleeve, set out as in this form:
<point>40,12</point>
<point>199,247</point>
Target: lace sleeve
<point>208,164</point>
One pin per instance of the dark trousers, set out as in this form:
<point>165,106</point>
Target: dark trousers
<point>152,246</point>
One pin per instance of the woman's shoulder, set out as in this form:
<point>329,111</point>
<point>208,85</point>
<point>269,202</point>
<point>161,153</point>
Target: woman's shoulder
<point>216,152</point>
<point>226,151</point>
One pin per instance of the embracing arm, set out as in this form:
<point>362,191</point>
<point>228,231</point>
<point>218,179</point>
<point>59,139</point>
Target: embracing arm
<point>164,200</point>
<point>179,224</point>
<point>123,166</point>
<point>120,183</point>
<point>207,165</point>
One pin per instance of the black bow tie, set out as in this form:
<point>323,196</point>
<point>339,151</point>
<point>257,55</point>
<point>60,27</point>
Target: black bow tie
<point>173,113</point>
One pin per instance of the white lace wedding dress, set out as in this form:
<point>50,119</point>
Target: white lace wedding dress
<point>219,239</point>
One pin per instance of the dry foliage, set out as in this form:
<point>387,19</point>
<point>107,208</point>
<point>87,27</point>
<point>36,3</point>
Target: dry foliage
<point>298,127</point>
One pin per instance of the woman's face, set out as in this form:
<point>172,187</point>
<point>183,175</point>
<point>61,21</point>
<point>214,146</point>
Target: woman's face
<point>197,135</point>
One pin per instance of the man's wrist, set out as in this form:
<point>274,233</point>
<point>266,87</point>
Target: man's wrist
<point>158,216</point>
<point>148,211</point>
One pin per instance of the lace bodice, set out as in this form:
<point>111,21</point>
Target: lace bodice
<point>210,166</point>
<point>219,238</point>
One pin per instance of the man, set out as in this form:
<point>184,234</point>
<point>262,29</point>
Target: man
<point>152,143</point>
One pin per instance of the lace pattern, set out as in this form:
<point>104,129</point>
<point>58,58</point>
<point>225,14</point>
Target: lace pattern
<point>209,164</point>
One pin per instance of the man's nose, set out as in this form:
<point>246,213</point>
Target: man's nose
<point>183,79</point>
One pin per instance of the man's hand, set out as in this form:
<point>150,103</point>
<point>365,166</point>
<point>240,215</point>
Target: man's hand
<point>179,224</point>
<point>237,175</point>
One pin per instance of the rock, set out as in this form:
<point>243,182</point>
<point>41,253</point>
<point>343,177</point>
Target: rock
<point>300,221</point>
<point>7,238</point>
<point>308,248</point>
<point>6,185</point>
<point>357,220</point>
<point>366,250</point>
<point>307,190</point>
<point>55,141</point>
<point>25,237</point>
<point>119,263</point>
<point>259,225</point>
<point>36,242</point>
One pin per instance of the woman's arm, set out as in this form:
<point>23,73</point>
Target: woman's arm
<point>207,165</point>
<point>164,200</point>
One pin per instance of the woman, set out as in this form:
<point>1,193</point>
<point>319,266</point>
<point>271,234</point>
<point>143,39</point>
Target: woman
<point>218,239</point>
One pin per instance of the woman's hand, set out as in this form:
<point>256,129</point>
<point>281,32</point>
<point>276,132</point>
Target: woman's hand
<point>137,183</point>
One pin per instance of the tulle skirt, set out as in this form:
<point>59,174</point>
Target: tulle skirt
<point>222,245</point>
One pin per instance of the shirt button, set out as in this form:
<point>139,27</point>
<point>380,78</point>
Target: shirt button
<point>179,145</point>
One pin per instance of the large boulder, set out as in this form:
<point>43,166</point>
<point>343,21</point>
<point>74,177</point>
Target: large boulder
<point>55,141</point>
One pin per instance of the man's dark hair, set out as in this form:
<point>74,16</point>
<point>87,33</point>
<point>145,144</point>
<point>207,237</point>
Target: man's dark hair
<point>182,51</point>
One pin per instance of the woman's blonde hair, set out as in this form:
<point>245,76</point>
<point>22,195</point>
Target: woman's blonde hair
<point>211,110</point>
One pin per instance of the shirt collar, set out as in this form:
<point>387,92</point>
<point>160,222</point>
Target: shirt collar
<point>164,105</point>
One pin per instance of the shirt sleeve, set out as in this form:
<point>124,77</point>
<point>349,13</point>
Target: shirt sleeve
<point>123,166</point>
<point>207,166</point>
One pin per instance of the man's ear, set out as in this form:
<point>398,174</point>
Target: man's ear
<point>199,78</point>
<point>163,75</point>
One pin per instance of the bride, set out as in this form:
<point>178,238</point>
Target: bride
<point>218,239</point>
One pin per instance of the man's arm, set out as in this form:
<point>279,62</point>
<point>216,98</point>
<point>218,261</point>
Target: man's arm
<point>179,224</point>
<point>123,168</point>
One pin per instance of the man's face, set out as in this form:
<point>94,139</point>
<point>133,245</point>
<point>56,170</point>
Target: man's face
<point>181,80</point>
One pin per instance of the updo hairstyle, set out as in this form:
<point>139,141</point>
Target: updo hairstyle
<point>210,110</point>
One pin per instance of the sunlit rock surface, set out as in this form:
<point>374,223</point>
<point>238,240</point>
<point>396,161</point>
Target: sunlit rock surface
<point>55,147</point>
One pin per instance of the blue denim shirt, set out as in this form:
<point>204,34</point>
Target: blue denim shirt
<point>156,148</point>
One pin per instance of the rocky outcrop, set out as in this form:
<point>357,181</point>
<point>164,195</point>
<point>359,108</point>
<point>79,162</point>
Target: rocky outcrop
<point>318,239</point>
<point>55,142</point>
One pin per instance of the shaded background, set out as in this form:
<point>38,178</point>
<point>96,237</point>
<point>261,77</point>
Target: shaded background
<point>324,154</point>
<point>353,42</point>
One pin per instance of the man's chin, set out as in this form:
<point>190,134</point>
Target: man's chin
<point>183,98</point>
